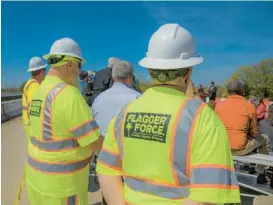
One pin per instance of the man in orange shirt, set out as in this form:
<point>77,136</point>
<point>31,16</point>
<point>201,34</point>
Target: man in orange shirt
<point>240,119</point>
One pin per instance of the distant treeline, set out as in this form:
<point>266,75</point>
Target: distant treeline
<point>7,90</point>
<point>258,80</point>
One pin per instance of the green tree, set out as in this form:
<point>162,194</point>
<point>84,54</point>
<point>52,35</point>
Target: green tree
<point>258,79</point>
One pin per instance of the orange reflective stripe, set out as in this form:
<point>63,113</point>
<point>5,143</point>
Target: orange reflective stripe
<point>190,139</point>
<point>173,139</point>
<point>109,166</point>
<point>215,177</point>
<point>58,167</point>
<point>47,134</point>
<point>181,139</point>
<point>212,166</point>
<point>109,158</point>
<point>146,187</point>
<point>158,182</point>
<point>30,82</point>
<point>119,130</point>
<point>196,186</point>
<point>56,145</point>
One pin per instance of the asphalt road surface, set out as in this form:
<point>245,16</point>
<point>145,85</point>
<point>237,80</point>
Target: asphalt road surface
<point>14,156</point>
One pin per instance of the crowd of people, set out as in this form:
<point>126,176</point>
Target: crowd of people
<point>163,146</point>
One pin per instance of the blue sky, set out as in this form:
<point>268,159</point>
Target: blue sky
<point>227,34</point>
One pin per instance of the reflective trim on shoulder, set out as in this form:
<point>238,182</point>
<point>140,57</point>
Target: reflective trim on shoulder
<point>47,120</point>
<point>29,83</point>
<point>155,189</point>
<point>54,145</point>
<point>216,177</point>
<point>85,129</point>
<point>57,167</point>
<point>118,130</point>
<point>181,139</point>
<point>110,159</point>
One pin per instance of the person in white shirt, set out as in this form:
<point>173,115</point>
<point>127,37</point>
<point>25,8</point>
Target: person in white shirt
<point>110,102</point>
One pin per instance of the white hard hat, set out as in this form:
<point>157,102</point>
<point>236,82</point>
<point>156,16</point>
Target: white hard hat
<point>36,63</point>
<point>67,47</point>
<point>171,47</point>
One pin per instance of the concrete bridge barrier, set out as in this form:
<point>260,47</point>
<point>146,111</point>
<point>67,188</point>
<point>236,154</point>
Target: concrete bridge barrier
<point>11,109</point>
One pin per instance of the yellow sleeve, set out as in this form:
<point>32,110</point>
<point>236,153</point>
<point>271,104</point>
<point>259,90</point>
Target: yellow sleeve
<point>31,90</point>
<point>213,179</point>
<point>78,117</point>
<point>109,162</point>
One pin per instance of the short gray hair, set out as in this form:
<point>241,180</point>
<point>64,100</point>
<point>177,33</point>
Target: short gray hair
<point>235,86</point>
<point>122,70</point>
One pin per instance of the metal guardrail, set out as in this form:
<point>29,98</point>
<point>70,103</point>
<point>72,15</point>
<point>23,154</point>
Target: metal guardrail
<point>10,109</point>
<point>10,96</point>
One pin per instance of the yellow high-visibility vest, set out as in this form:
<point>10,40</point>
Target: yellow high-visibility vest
<point>168,147</point>
<point>29,89</point>
<point>61,129</point>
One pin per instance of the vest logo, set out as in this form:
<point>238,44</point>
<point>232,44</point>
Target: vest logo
<point>147,126</point>
<point>35,108</point>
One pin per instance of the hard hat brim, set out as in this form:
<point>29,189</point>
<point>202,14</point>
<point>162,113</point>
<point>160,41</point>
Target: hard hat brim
<point>35,69</point>
<point>165,64</point>
<point>47,56</point>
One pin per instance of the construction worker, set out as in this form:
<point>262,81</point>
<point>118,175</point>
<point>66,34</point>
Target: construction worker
<point>37,68</point>
<point>110,102</point>
<point>63,132</point>
<point>168,148</point>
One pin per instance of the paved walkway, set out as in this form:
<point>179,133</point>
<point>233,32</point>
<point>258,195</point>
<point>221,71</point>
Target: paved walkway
<point>14,155</point>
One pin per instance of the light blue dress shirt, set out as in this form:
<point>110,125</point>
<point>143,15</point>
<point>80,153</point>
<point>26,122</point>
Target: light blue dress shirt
<point>110,102</point>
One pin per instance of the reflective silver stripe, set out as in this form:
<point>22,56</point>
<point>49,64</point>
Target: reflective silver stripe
<point>59,168</point>
<point>72,200</point>
<point>85,129</point>
<point>109,159</point>
<point>181,139</point>
<point>157,190</point>
<point>216,176</point>
<point>118,130</point>
<point>54,145</point>
<point>47,127</point>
